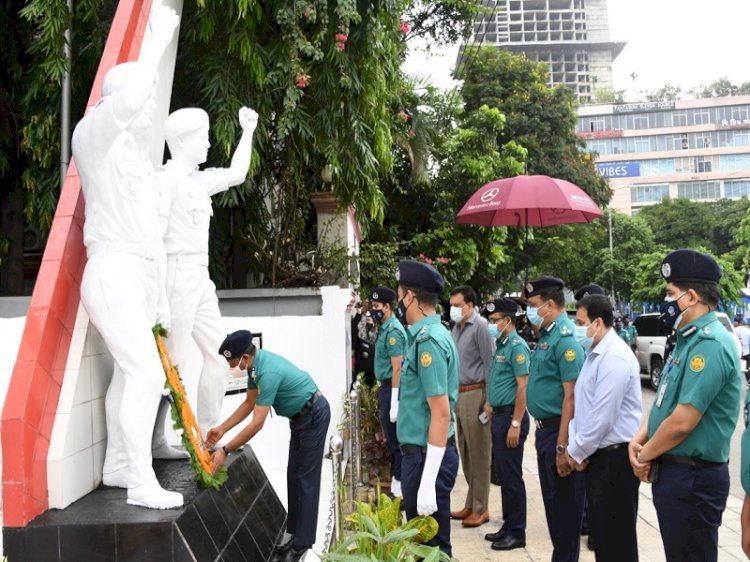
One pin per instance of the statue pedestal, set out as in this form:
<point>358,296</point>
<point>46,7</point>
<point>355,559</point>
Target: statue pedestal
<point>242,521</point>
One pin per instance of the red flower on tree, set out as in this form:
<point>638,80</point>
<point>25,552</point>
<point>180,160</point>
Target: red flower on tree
<point>403,27</point>
<point>341,39</point>
<point>302,81</point>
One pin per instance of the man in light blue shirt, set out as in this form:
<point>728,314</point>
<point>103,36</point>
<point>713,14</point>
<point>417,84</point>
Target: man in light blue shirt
<point>607,416</point>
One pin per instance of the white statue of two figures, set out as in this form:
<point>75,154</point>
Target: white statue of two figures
<point>146,237</point>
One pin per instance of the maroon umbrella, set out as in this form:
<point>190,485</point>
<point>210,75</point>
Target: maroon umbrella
<point>528,201</point>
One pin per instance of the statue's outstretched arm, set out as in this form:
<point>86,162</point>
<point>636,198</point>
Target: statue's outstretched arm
<point>237,171</point>
<point>133,95</point>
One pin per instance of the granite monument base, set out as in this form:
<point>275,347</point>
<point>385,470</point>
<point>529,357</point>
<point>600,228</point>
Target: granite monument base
<point>239,523</point>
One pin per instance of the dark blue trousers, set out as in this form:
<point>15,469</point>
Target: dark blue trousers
<point>411,475</point>
<point>306,448</point>
<point>384,401</point>
<point>612,495</point>
<point>689,501</point>
<point>563,499</point>
<point>508,467</point>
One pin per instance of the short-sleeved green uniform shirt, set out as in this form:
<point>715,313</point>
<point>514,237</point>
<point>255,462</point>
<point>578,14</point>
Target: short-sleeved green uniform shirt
<point>280,384</point>
<point>703,371</point>
<point>557,358</point>
<point>430,369</point>
<point>629,334</point>
<point>511,360</point>
<point>391,343</point>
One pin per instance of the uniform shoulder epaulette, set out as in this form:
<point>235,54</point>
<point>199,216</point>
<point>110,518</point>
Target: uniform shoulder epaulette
<point>516,341</point>
<point>423,334</point>
<point>565,331</point>
<point>707,332</point>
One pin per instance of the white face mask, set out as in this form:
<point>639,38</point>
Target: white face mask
<point>237,372</point>
<point>457,313</point>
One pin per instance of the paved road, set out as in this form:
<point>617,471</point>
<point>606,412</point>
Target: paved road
<point>469,544</point>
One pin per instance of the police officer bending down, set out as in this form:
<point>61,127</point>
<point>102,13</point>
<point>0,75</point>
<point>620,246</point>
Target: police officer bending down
<point>293,394</point>
<point>429,390</point>
<point>686,436</point>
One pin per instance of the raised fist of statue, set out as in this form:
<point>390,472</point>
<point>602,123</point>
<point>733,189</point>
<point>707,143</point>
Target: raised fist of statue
<point>248,119</point>
<point>163,22</point>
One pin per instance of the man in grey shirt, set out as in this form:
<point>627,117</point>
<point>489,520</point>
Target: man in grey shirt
<point>475,350</point>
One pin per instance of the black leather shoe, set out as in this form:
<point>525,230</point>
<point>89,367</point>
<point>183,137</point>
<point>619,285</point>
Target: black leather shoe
<point>494,537</point>
<point>508,542</point>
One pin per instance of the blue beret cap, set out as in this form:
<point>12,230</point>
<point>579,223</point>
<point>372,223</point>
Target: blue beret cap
<point>590,289</point>
<point>236,344</point>
<point>419,275</point>
<point>383,295</point>
<point>502,306</point>
<point>543,285</point>
<point>690,266</point>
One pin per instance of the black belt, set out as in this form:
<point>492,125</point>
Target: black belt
<point>307,407</point>
<point>504,409</point>
<point>607,449</point>
<point>413,449</point>
<point>385,382</point>
<point>547,422</point>
<point>689,461</point>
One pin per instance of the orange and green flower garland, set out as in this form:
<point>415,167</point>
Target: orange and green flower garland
<point>184,421</point>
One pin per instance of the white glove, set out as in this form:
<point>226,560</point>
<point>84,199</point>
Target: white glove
<point>394,405</point>
<point>426,500</point>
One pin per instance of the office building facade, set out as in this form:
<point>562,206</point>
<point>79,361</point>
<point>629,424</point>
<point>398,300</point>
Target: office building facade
<point>570,36</point>
<point>698,149</point>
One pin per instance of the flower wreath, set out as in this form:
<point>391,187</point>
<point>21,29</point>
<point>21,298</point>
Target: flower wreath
<point>184,421</point>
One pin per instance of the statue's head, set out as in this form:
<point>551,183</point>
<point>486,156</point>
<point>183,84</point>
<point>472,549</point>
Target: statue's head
<point>186,132</point>
<point>116,78</point>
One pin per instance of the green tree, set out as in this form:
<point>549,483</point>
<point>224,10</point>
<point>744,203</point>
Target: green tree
<point>680,223</point>
<point>539,118</point>
<point>668,92</point>
<point>649,284</point>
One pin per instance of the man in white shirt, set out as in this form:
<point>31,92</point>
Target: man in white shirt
<point>607,416</point>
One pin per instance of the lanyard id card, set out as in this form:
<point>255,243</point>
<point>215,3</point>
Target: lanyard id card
<point>663,386</point>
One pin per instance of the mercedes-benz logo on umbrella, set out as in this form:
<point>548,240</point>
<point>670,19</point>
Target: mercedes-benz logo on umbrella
<point>490,194</point>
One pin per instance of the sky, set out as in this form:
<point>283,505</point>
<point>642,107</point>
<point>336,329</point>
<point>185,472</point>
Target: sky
<point>683,42</point>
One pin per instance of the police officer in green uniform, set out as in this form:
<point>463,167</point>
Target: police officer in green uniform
<point>745,479</point>
<point>275,382</point>
<point>389,351</point>
<point>506,400</point>
<point>427,401</point>
<point>555,364</point>
<point>683,445</point>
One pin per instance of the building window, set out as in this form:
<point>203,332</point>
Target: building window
<point>701,116</point>
<point>679,118</point>
<point>699,190</point>
<point>640,122</point>
<point>734,162</point>
<point>702,165</point>
<point>649,193</point>
<point>737,188</point>
<point>677,143</point>
<point>642,144</point>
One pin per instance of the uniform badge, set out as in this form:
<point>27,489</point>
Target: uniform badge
<point>227,354</point>
<point>529,287</point>
<point>490,307</point>
<point>706,330</point>
<point>565,331</point>
<point>392,340</point>
<point>500,358</point>
<point>520,358</point>
<point>374,296</point>
<point>666,270</point>
<point>426,359</point>
<point>569,355</point>
<point>697,363</point>
<point>544,345</point>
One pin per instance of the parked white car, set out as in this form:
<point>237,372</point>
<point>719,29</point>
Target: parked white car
<point>652,340</point>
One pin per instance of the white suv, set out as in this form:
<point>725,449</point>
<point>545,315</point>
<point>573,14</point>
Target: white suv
<point>652,339</point>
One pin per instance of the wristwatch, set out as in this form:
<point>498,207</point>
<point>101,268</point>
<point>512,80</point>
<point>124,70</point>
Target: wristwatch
<point>226,451</point>
<point>515,423</point>
<point>560,449</point>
